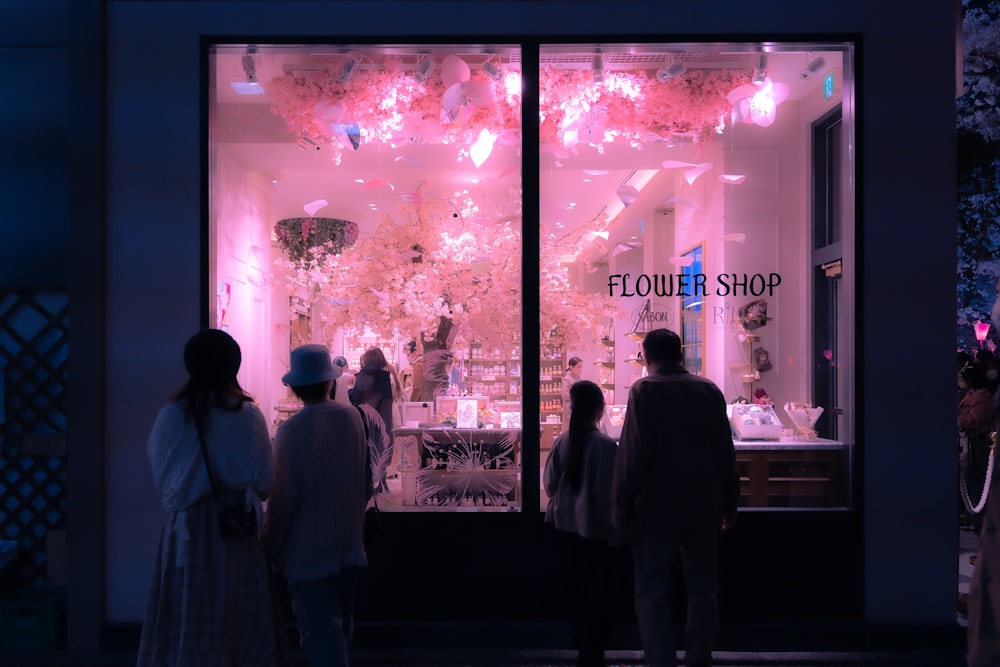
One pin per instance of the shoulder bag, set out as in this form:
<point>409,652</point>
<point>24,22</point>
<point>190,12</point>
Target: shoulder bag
<point>235,522</point>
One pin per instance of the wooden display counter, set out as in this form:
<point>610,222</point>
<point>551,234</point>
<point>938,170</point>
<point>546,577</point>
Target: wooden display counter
<point>792,472</point>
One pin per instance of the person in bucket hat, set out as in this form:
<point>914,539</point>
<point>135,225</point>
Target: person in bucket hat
<point>316,512</point>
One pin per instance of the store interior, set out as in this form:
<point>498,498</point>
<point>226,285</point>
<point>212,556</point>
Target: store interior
<point>675,189</point>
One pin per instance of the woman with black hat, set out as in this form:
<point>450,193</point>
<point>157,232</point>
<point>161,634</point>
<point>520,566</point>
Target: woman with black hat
<point>210,601</point>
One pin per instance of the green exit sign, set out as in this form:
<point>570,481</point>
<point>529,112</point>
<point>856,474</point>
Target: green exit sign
<point>828,86</point>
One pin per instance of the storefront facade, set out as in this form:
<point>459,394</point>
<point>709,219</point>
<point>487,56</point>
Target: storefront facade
<point>188,218</point>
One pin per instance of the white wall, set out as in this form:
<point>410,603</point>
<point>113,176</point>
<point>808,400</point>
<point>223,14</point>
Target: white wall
<point>768,207</point>
<point>243,260</point>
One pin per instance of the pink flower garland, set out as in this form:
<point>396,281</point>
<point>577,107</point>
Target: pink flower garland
<point>390,105</point>
<point>385,102</point>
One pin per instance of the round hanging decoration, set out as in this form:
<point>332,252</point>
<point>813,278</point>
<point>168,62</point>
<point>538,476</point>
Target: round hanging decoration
<point>299,236</point>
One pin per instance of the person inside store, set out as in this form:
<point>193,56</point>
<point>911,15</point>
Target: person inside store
<point>975,423</point>
<point>375,357</point>
<point>413,388</point>
<point>376,385</point>
<point>343,384</point>
<point>210,599</point>
<point>577,479</point>
<point>456,387</point>
<point>574,370</point>
<point>675,488</point>
<point>315,515</point>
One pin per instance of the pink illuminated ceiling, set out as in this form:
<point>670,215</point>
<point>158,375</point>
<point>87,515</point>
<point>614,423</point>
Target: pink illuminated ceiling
<point>575,186</point>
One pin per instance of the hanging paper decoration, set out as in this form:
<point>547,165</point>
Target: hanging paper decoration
<point>460,100</point>
<point>352,132</point>
<point>757,104</point>
<point>624,247</point>
<point>695,169</point>
<point>627,194</point>
<point>378,184</point>
<point>482,148</point>
<point>416,129</point>
<point>585,127</point>
<point>328,114</point>
<point>454,70</point>
<point>410,160</point>
<point>314,206</point>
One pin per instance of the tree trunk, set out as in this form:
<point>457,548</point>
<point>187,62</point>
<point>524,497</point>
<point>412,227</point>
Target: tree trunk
<point>436,355</point>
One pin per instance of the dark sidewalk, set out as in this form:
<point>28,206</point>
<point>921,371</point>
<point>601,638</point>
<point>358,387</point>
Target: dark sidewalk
<point>540,658</point>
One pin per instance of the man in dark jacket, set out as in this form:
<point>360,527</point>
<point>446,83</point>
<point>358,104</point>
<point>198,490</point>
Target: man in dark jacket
<point>675,488</point>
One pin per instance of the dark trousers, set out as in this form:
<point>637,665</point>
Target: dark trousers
<point>591,563</point>
<point>654,555</point>
<point>324,610</point>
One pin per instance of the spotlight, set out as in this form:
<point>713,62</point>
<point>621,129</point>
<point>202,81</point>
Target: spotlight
<point>347,71</point>
<point>424,68</point>
<point>760,71</point>
<point>306,144</point>
<point>251,86</point>
<point>813,68</point>
<point>492,71</point>
<point>668,73</point>
<point>597,67</point>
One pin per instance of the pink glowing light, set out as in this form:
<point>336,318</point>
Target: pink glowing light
<point>982,331</point>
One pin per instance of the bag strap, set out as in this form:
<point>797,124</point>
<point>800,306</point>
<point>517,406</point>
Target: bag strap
<point>368,458</point>
<point>204,455</point>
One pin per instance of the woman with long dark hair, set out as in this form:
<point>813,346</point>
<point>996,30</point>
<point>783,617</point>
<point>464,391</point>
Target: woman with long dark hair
<point>210,600</point>
<point>577,479</point>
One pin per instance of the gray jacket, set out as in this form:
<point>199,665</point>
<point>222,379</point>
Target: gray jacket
<point>588,511</point>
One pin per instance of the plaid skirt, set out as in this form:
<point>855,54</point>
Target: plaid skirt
<point>213,610</point>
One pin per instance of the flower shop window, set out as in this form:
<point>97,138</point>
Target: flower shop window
<point>648,151</point>
<point>369,196</point>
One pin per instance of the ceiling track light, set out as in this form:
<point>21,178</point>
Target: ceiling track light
<point>668,73</point>
<point>597,67</point>
<point>492,71</point>
<point>307,144</point>
<point>814,67</point>
<point>250,68</point>
<point>250,86</point>
<point>760,71</point>
<point>347,71</point>
<point>424,69</point>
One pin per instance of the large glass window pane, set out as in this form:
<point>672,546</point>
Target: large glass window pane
<point>368,196</point>
<point>676,190</point>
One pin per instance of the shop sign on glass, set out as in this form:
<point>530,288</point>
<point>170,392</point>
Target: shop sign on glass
<point>693,284</point>
<point>828,86</point>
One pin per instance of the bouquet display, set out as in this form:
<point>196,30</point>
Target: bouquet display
<point>804,417</point>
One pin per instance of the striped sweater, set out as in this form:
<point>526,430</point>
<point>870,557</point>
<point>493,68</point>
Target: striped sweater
<point>315,515</point>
